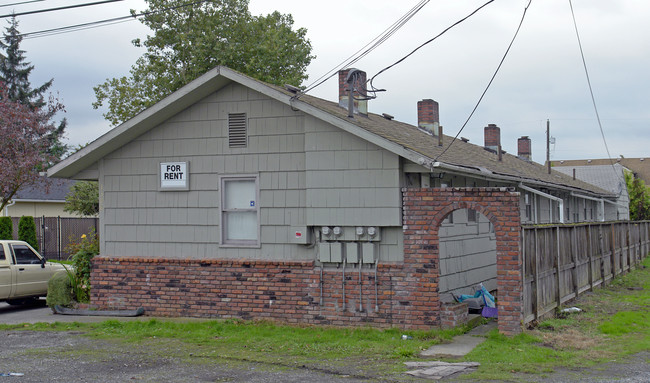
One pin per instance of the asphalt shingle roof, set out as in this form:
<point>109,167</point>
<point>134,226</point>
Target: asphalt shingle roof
<point>46,189</point>
<point>608,177</point>
<point>460,153</point>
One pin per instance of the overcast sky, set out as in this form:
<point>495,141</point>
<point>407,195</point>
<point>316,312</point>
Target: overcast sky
<point>542,77</point>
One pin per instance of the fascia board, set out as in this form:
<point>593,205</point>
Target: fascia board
<point>141,123</point>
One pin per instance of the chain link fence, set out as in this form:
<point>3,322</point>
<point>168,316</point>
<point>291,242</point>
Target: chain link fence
<point>54,234</point>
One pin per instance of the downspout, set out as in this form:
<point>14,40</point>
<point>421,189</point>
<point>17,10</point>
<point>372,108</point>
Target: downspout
<point>560,201</point>
<point>601,203</point>
<point>7,206</point>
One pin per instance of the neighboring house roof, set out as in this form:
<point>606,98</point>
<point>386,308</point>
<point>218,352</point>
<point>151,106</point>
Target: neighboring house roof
<point>45,190</point>
<point>639,166</point>
<point>608,177</point>
<point>400,138</point>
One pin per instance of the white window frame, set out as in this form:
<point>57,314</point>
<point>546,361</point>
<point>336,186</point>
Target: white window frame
<point>223,241</point>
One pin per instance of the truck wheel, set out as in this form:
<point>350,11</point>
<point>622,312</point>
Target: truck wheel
<point>22,301</point>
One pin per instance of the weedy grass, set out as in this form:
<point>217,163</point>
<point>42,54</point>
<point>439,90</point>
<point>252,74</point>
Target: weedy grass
<point>615,322</point>
<point>348,349</point>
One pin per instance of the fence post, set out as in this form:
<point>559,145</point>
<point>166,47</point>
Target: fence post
<point>590,252</point>
<point>613,247</point>
<point>537,287</point>
<point>58,236</point>
<point>557,266</point>
<point>574,257</point>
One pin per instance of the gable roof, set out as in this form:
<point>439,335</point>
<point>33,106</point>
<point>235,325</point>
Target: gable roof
<point>607,177</point>
<point>45,190</point>
<point>639,166</point>
<point>400,138</point>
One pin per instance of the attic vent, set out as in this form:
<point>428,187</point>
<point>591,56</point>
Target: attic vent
<point>464,139</point>
<point>387,116</point>
<point>237,137</point>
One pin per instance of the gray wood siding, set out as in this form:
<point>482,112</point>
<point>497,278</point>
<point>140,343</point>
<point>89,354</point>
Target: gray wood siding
<point>467,255</point>
<point>349,181</point>
<point>353,182</point>
<point>139,220</point>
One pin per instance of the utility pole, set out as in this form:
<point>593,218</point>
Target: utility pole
<point>548,145</point>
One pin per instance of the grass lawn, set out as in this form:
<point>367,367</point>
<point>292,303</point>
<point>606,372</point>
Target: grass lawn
<point>615,322</point>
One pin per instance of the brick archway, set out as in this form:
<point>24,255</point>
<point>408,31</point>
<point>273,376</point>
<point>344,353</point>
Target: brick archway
<point>424,210</point>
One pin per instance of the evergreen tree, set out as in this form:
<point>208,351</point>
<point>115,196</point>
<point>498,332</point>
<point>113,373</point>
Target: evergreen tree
<point>6,228</point>
<point>15,72</point>
<point>27,231</point>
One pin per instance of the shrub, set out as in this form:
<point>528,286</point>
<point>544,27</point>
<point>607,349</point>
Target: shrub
<point>84,252</point>
<point>6,228</point>
<point>59,291</point>
<point>27,231</point>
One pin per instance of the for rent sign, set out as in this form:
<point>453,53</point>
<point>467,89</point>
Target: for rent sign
<point>174,175</point>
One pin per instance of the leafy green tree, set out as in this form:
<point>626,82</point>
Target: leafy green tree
<point>15,72</point>
<point>83,199</point>
<point>191,38</point>
<point>6,228</point>
<point>27,231</point>
<point>639,195</point>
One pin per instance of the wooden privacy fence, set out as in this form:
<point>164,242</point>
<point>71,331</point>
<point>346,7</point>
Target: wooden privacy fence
<point>562,261</point>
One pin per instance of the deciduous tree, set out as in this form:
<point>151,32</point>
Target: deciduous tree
<point>83,199</point>
<point>25,139</point>
<point>639,197</point>
<point>15,72</point>
<point>190,39</point>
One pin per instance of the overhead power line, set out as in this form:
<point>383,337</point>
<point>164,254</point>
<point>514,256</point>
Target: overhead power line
<point>365,50</point>
<point>427,42</point>
<point>21,3</point>
<point>100,23</point>
<point>523,16</point>
<point>58,9</point>
<point>591,91</point>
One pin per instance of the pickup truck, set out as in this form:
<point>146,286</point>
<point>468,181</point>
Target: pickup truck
<point>24,273</point>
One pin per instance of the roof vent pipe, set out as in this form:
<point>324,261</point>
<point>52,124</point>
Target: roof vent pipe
<point>439,135</point>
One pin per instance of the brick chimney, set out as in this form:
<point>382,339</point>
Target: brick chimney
<point>492,137</point>
<point>357,78</point>
<point>428,116</point>
<point>523,148</point>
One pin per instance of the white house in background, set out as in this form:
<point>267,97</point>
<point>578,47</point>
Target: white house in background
<point>606,177</point>
<point>45,198</point>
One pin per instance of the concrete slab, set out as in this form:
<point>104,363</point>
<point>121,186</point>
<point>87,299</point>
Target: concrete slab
<point>438,370</point>
<point>462,344</point>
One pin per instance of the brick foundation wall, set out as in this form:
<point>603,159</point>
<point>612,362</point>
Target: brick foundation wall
<point>453,314</point>
<point>285,291</point>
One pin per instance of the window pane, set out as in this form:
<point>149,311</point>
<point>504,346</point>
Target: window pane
<point>25,256</point>
<point>239,194</point>
<point>240,225</point>
<point>2,253</point>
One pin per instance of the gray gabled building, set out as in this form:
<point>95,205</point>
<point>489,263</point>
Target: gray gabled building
<point>229,168</point>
